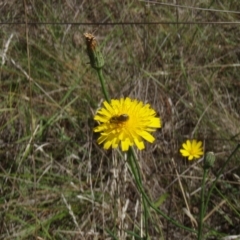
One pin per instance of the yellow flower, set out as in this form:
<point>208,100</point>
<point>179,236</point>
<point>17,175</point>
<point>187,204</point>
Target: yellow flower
<point>127,122</point>
<point>192,149</point>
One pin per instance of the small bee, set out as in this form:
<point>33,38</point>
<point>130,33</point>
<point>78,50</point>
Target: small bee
<point>119,119</point>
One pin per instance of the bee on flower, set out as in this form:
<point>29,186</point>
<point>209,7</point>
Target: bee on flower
<point>126,122</point>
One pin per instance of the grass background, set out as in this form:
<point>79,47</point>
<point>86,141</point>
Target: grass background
<point>55,181</point>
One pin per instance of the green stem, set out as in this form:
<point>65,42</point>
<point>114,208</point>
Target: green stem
<point>136,172</point>
<point>200,223</point>
<point>101,78</point>
<point>132,160</point>
<point>218,176</point>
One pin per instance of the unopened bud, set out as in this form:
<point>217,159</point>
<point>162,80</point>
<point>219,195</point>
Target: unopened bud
<point>209,160</point>
<point>95,55</point>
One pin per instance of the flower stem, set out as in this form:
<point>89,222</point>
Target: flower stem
<point>102,81</point>
<point>200,223</point>
<point>96,60</point>
<point>219,175</point>
<point>136,172</point>
<point>133,163</point>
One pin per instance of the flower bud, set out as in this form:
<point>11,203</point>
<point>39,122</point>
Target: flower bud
<point>209,160</point>
<point>95,55</point>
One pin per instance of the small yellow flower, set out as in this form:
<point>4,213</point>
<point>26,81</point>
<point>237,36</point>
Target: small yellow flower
<point>126,122</point>
<point>192,149</point>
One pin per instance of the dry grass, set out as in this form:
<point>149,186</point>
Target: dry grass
<point>55,182</point>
